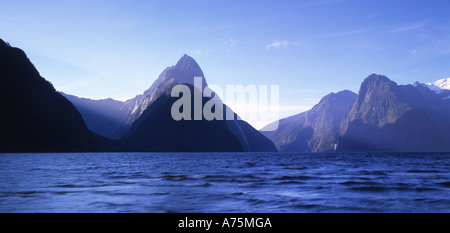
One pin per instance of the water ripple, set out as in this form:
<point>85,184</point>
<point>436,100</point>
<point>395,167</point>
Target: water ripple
<point>225,182</point>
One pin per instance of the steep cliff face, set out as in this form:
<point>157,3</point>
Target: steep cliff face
<point>316,130</point>
<point>388,117</point>
<point>383,116</point>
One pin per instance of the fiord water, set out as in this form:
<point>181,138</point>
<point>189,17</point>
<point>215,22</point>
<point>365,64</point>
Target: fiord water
<point>225,182</point>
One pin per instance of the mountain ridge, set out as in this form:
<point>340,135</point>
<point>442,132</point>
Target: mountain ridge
<point>384,116</point>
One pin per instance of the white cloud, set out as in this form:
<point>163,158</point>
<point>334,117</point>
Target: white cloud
<point>285,44</point>
<point>279,44</point>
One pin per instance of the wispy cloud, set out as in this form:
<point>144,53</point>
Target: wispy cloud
<point>410,27</point>
<point>385,29</point>
<point>347,33</point>
<point>278,44</point>
<point>434,47</point>
<point>283,44</point>
<point>199,52</point>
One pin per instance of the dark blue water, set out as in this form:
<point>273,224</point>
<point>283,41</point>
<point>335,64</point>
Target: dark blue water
<point>225,182</point>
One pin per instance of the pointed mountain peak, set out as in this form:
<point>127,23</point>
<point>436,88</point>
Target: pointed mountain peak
<point>183,72</point>
<point>186,62</point>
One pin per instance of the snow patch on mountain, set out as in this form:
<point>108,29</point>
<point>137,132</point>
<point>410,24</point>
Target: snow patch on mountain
<point>439,86</point>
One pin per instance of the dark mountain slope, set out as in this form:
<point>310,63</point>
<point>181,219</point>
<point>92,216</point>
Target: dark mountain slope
<point>34,117</point>
<point>157,131</point>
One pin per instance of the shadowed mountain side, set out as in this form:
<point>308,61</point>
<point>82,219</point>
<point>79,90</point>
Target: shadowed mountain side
<point>36,118</point>
<point>255,141</point>
<point>398,136</point>
<point>388,117</point>
<point>437,105</point>
<point>104,117</point>
<point>316,130</point>
<point>157,131</point>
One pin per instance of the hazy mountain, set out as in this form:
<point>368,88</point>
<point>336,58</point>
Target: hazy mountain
<point>36,118</point>
<point>389,117</point>
<point>104,117</point>
<point>316,130</point>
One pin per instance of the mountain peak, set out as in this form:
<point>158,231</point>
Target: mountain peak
<point>440,85</point>
<point>185,70</point>
<point>4,44</point>
<point>376,82</point>
<point>346,93</point>
<point>186,62</point>
<point>377,77</point>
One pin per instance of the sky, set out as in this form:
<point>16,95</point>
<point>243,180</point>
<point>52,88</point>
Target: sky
<point>115,48</point>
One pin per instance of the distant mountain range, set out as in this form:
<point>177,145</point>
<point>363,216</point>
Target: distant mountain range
<point>440,87</point>
<point>383,116</point>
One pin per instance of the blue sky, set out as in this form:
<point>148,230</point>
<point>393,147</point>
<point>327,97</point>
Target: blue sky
<point>112,48</point>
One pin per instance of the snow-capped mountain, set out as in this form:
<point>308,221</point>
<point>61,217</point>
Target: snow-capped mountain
<point>439,86</point>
